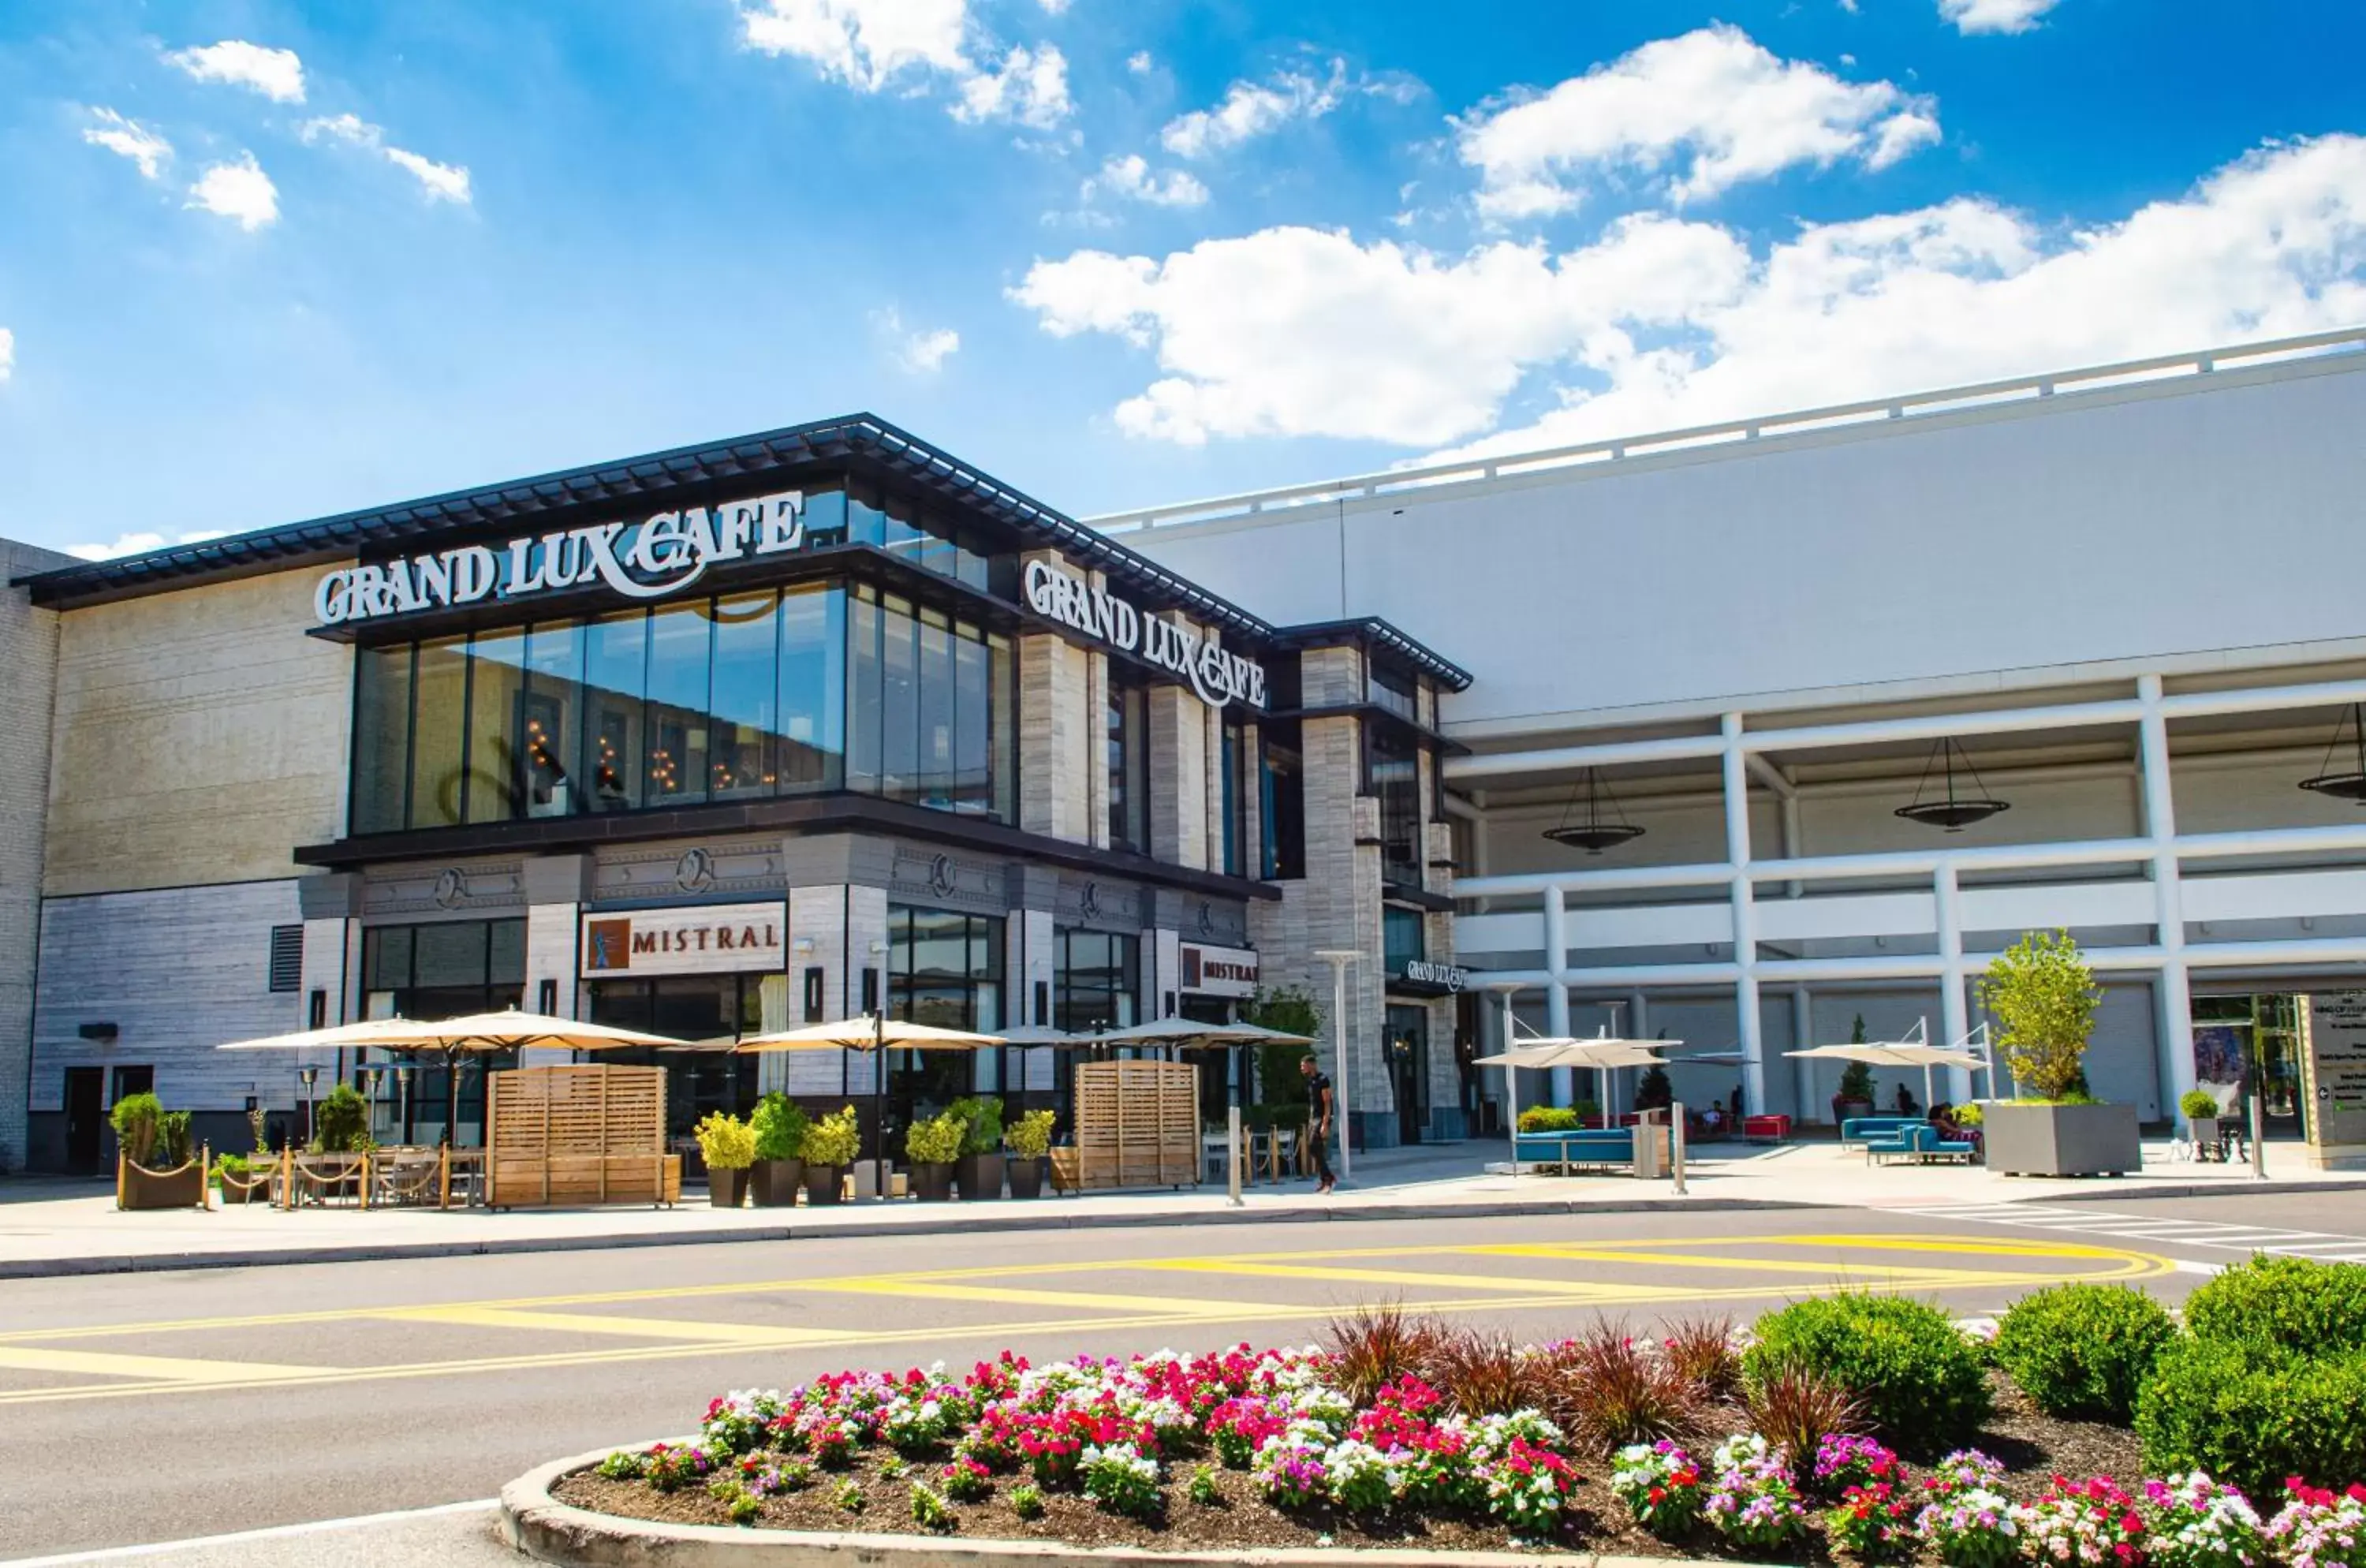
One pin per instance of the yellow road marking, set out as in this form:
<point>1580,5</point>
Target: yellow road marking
<point>1573,1290</point>
<point>168,1368</point>
<point>922,1288</point>
<point>1928,1278</point>
<point>633,1327</point>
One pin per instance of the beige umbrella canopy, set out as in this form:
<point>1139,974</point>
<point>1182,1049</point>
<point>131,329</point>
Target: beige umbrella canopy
<point>870,1032</point>
<point>379,1031</point>
<point>1191,1032</point>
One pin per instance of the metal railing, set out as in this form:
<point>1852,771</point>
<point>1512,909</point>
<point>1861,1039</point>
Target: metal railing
<point>1947,399</point>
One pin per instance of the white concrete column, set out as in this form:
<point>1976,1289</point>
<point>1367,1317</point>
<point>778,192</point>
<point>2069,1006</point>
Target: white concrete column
<point>1556,988</point>
<point>1803,1069</point>
<point>553,953</point>
<point>1954,1020</point>
<point>2172,996</point>
<point>1745,920</point>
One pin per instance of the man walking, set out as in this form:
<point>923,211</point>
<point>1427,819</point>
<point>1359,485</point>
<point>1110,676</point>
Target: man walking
<point>1318,1123</point>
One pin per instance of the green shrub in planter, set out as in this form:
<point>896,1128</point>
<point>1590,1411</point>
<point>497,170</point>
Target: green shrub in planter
<point>2253,1413</point>
<point>134,1119</point>
<point>2313,1308</point>
<point>936,1140</point>
<point>2197,1105</point>
<point>1030,1137</point>
<point>340,1121</point>
<point>2084,1352</point>
<point>1918,1379</point>
<point>834,1139</point>
<point>981,1116</point>
<point>780,1127</point>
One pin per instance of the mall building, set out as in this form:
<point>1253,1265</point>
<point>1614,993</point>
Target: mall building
<point>1746,736</point>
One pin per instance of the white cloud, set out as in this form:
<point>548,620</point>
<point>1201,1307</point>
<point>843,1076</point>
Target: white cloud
<point>1031,88</point>
<point>1139,62</point>
<point>921,352</point>
<point>277,74</point>
<point>140,544</point>
<point>1130,177</point>
<point>240,192</point>
<point>1994,16</point>
<point>130,139</point>
<point>1251,109</point>
<point>1709,110</point>
<point>868,44</point>
<point>1055,7</point>
<point>1663,322</point>
<point>7,352</point>
<point>437,182</point>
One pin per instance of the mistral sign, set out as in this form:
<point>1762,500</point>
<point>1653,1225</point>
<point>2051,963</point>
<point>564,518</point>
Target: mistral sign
<point>660,554</point>
<point>1219,677</point>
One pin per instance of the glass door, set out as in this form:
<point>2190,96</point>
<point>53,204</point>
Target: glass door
<point>1408,1070</point>
<point>2251,1044</point>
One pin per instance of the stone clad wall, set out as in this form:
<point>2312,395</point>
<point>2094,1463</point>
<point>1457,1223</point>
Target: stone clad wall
<point>28,655</point>
<point>198,737</point>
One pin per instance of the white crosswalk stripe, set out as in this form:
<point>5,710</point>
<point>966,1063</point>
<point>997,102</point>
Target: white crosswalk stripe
<point>2217,1234</point>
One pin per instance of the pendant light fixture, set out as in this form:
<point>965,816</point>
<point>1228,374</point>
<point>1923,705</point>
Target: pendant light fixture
<point>1598,829</point>
<point>1952,811</point>
<point>2349,785</point>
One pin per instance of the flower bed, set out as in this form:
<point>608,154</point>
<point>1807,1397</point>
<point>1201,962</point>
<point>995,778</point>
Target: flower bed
<point>1351,1446</point>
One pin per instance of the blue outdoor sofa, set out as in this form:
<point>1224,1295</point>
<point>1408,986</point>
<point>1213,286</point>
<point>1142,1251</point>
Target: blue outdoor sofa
<point>1919,1142</point>
<point>1865,1129</point>
<point>1578,1147</point>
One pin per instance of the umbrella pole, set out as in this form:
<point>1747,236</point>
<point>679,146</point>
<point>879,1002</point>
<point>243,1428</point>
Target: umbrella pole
<point>879,1104</point>
<point>1512,1120</point>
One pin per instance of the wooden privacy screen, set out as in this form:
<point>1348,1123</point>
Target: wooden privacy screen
<point>1137,1124</point>
<point>587,1134</point>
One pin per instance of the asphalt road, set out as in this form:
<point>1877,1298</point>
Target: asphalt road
<point>138,1408</point>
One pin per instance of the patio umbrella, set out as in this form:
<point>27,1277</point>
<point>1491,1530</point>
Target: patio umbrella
<point>871,1033</point>
<point>1898,1053</point>
<point>1603,1052</point>
<point>334,1037</point>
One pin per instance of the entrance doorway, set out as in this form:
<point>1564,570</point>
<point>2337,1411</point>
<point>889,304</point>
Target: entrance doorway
<point>2251,1044</point>
<point>1409,1069</point>
<point>86,1114</point>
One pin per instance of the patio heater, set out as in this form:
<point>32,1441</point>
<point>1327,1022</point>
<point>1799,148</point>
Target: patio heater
<point>311,1075</point>
<point>1339,958</point>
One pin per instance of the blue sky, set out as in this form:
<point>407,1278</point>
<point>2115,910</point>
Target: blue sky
<point>262,261</point>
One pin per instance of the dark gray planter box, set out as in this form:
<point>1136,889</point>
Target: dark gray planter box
<point>2062,1139</point>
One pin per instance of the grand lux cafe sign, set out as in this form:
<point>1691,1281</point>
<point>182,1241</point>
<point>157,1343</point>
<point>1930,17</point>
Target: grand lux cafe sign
<point>661,555</point>
<point>1219,677</point>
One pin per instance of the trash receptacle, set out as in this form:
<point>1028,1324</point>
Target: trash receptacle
<point>1650,1151</point>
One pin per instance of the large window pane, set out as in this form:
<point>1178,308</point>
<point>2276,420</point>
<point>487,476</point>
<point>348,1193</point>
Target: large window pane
<point>439,733</point>
<point>866,523</point>
<point>381,738</point>
<point>552,718</point>
<point>449,956</point>
<point>973,783</point>
<point>496,749</point>
<point>1002,756</point>
<point>813,690</point>
<point>863,698</point>
<point>936,726</point>
<point>746,692</point>
<point>615,671</point>
<point>905,539</point>
<point>899,708</point>
<point>680,647</point>
<point>1127,743</point>
<point>825,518</point>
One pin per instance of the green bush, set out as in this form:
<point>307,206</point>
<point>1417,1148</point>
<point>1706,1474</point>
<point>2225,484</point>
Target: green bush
<point>2313,1308</point>
<point>173,1142</point>
<point>340,1121</point>
<point>981,1117</point>
<point>1916,1376</point>
<point>780,1127</point>
<point>2197,1103</point>
<point>2083,1351</point>
<point>725,1142</point>
<point>2253,1413</point>
<point>1557,1118</point>
<point>134,1119</point>
<point>834,1139</point>
<point>935,1140</point>
<point>1030,1136</point>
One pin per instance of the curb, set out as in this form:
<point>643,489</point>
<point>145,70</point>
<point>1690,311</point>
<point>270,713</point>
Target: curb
<point>2208,1190</point>
<point>541,1527</point>
<point>62,1268</point>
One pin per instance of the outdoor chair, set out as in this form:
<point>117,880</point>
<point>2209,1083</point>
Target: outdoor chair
<point>1864,1129</point>
<point>1766,1129</point>
<point>1919,1142</point>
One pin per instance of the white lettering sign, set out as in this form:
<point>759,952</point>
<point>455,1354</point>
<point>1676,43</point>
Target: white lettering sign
<point>1444,977</point>
<point>648,559</point>
<point>702,940</point>
<point>1217,676</point>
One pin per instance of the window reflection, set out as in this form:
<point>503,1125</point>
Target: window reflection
<point>765,692</point>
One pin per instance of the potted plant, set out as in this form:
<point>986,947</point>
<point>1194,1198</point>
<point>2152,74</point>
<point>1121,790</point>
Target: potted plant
<point>977,1174</point>
<point>340,1121</point>
<point>779,1169</point>
<point>2043,998</point>
<point>1854,1098</point>
<point>729,1147</point>
<point>155,1168</point>
<point>243,1178</point>
<point>934,1143</point>
<point>2201,1110</point>
<point>831,1143</point>
<point>1030,1142</point>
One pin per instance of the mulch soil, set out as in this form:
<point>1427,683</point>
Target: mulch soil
<point>2032,1446</point>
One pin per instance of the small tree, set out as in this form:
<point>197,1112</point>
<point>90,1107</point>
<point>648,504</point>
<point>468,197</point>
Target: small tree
<point>1292,1011</point>
<point>2044,998</point>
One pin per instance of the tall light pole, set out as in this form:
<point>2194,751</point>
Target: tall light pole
<point>1507,989</point>
<point>1339,958</point>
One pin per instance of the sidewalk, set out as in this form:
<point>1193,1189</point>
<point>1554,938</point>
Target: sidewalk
<point>51,1226</point>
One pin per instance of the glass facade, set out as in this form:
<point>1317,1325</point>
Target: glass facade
<point>1093,980</point>
<point>1125,731</point>
<point>447,969</point>
<point>689,1007</point>
<point>1392,774</point>
<point>943,969</point>
<point>801,690</point>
